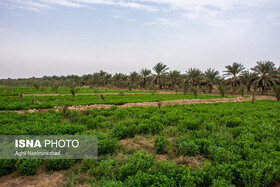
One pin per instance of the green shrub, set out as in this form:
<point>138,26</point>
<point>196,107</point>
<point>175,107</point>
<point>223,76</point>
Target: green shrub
<point>88,164</point>
<point>28,167</point>
<point>188,148</point>
<point>231,121</point>
<point>214,175</point>
<point>156,127</point>
<point>138,161</point>
<point>143,128</point>
<point>187,124</point>
<point>104,169</point>
<point>180,174</point>
<point>107,145</point>
<point>161,144</point>
<point>162,174</point>
<point>124,130</point>
<point>58,164</point>
<point>146,179</point>
<point>221,182</point>
<point>6,166</point>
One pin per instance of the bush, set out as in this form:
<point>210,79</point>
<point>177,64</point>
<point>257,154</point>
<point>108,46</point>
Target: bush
<point>58,164</point>
<point>162,174</point>
<point>103,170</point>
<point>221,182</point>
<point>231,121</point>
<point>188,148</point>
<point>28,167</point>
<point>214,175</point>
<point>124,130</point>
<point>143,128</point>
<point>88,164</point>
<point>138,161</point>
<point>107,146</point>
<point>185,125</point>
<point>90,122</point>
<point>179,173</point>
<point>6,166</point>
<point>156,127</point>
<point>161,144</point>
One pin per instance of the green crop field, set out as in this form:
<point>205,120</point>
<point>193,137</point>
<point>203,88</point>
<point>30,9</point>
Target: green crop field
<point>238,144</point>
<point>41,102</point>
<point>15,91</point>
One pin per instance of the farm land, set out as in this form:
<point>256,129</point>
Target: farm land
<point>180,136</point>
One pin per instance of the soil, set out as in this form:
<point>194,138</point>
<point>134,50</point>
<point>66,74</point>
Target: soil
<point>40,179</point>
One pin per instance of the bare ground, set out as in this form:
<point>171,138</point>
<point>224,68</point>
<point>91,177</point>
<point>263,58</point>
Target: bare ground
<point>147,104</point>
<point>147,144</point>
<point>40,179</point>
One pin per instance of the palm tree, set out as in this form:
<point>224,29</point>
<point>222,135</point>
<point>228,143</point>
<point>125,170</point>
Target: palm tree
<point>194,76</point>
<point>133,77</point>
<point>160,69</point>
<point>233,72</point>
<point>265,71</point>
<point>120,80</point>
<point>174,78</point>
<point>211,77</point>
<point>247,78</point>
<point>145,73</point>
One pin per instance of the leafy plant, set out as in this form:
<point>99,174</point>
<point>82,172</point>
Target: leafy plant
<point>242,91</point>
<point>28,167</point>
<point>103,97</point>
<point>6,166</point>
<point>139,161</point>
<point>74,90</point>
<point>222,90</point>
<point>161,144</point>
<point>55,85</point>
<point>194,90</point>
<point>58,164</point>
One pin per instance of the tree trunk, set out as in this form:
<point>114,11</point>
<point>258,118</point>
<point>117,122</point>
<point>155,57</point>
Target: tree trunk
<point>210,88</point>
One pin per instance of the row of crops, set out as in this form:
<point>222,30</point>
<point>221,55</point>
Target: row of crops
<point>15,91</point>
<point>39,102</point>
<point>239,141</point>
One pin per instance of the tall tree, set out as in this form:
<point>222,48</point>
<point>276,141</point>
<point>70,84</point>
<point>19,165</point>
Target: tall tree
<point>247,78</point>
<point>133,78</point>
<point>174,78</point>
<point>211,77</point>
<point>194,76</point>
<point>233,72</point>
<point>265,71</point>
<point>145,73</point>
<point>160,69</point>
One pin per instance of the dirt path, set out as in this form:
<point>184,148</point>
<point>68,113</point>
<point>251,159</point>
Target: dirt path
<point>146,104</point>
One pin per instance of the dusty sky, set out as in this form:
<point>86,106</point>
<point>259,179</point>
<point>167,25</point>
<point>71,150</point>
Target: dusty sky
<point>62,37</point>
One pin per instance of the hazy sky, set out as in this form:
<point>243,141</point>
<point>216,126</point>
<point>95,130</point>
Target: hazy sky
<point>61,37</point>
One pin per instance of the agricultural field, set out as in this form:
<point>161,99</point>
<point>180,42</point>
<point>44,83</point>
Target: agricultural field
<point>15,91</point>
<point>139,93</point>
<point>221,144</point>
<point>162,129</point>
<point>42,102</point>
